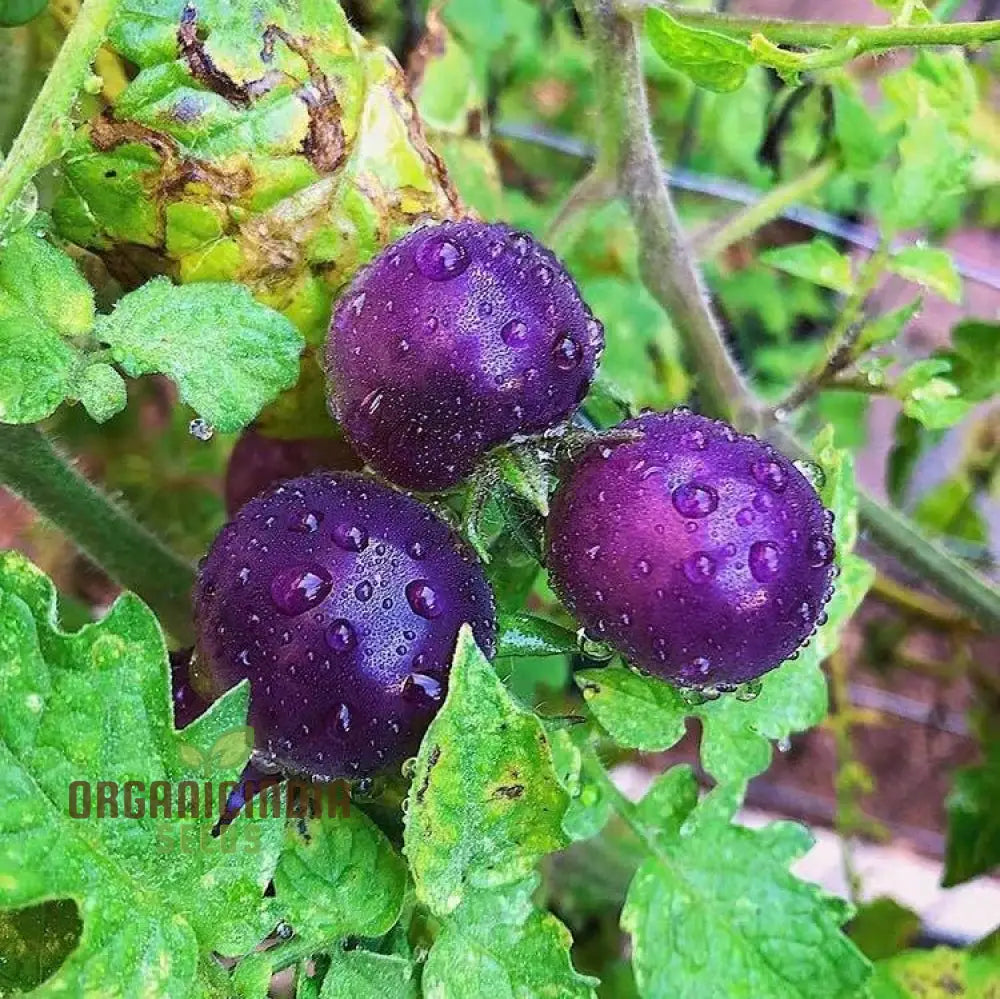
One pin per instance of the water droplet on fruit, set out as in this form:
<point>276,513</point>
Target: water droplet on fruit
<point>812,472</point>
<point>372,401</point>
<point>342,720</point>
<point>764,561</point>
<point>692,499</point>
<point>763,502</point>
<point>544,275</point>
<point>745,517</point>
<point>521,243</point>
<point>699,567</point>
<point>417,550</point>
<point>201,429</point>
<point>421,688</point>
<point>430,325</point>
<point>340,636</point>
<point>485,309</point>
<point>422,598</point>
<point>244,575</point>
<point>828,519</point>
<point>769,472</point>
<point>514,334</point>
<point>643,567</point>
<point>300,588</point>
<point>363,591</point>
<point>307,523</point>
<point>695,440</point>
<point>441,258</point>
<point>784,744</point>
<point>351,537</point>
<point>408,767</point>
<point>567,353</point>
<point>819,550</point>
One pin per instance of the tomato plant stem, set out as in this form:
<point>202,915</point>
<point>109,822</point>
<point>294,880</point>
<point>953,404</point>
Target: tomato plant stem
<point>41,137</point>
<point>815,34</point>
<point>33,469</point>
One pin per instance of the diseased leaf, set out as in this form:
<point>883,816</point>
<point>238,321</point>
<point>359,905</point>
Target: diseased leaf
<point>228,354</point>
<point>931,267</point>
<point>941,973</point>
<point>361,974</point>
<point>95,705</point>
<point>339,876</point>
<point>816,261</point>
<point>714,910</point>
<point>711,60</point>
<point>34,941</point>
<point>485,804</point>
<point>498,944</point>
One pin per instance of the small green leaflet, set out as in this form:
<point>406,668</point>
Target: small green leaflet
<point>887,327</point>
<point>713,61</point>
<point>714,910</point>
<point>43,300</point>
<point>930,397</point>
<point>973,820</point>
<point>931,267</point>
<point>815,261</point>
<point>526,635</point>
<point>228,354</point>
<point>95,705</point>
<point>485,804</point>
<point>643,712</point>
<point>862,145</point>
<point>362,974</point>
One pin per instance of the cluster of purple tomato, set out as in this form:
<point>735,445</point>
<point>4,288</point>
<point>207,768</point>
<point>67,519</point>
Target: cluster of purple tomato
<point>702,555</point>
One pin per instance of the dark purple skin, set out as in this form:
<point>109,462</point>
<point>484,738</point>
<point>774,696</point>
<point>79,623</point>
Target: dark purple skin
<point>341,601</point>
<point>701,555</point>
<point>452,341</point>
<point>188,703</point>
<point>257,462</point>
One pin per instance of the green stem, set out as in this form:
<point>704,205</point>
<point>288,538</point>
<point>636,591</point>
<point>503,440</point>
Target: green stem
<point>627,151</point>
<point>746,222</point>
<point>40,139</point>
<point>812,34</point>
<point>32,468</point>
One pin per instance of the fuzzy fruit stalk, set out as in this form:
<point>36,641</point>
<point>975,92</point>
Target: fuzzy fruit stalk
<point>702,555</point>
<point>341,601</point>
<point>454,340</point>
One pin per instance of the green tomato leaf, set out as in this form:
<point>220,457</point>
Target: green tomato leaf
<point>861,143</point>
<point>590,807</point>
<point>526,635</point>
<point>932,400</point>
<point>498,944</point>
<point>101,390</point>
<point>941,973</point>
<point>43,298</point>
<point>973,845</point>
<point>162,888</point>
<point>714,910</point>
<point>931,267</point>
<point>34,941</point>
<point>887,327</point>
<point>713,61</point>
<point>362,974</point>
<point>883,927</point>
<point>816,261</point>
<point>251,978</point>
<point>228,354</point>
<point>974,359</point>
<point>485,804</point>
<point>339,876</point>
<point>643,712</point>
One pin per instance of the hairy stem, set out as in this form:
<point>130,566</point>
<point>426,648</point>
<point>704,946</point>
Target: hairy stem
<point>813,34</point>
<point>771,206</point>
<point>32,468</point>
<point>627,144</point>
<point>40,139</point>
<point>627,151</point>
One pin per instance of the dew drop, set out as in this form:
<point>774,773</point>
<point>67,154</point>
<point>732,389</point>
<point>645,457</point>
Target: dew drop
<point>514,334</point>
<point>423,599</point>
<point>521,243</point>
<point>699,567</point>
<point>372,401</point>
<point>764,561</point>
<point>692,499</point>
<point>769,472</point>
<point>244,575</point>
<point>363,591</point>
<point>745,517</point>
<point>543,275</point>
<point>643,567</point>
<point>417,550</point>
<point>307,523</point>
<point>695,440</point>
<point>340,636</point>
<point>812,472</point>
<point>351,537</point>
<point>421,688</point>
<point>485,309</point>
<point>341,722</point>
<point>201,429</point>
<point>567,353</point>
<point>408,767</point>
<point>441,258</point>
<point>300,588</point>
<point>819,550</point>
<point>749,691</point>
<point>763,502</point>
<point>784,744</point>
<point>430,325</point>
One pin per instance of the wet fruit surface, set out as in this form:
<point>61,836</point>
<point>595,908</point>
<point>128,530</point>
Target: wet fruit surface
<point>257,462</point>
<point>704,556</point>
<point>345,631</point>
<point>453,340</point>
